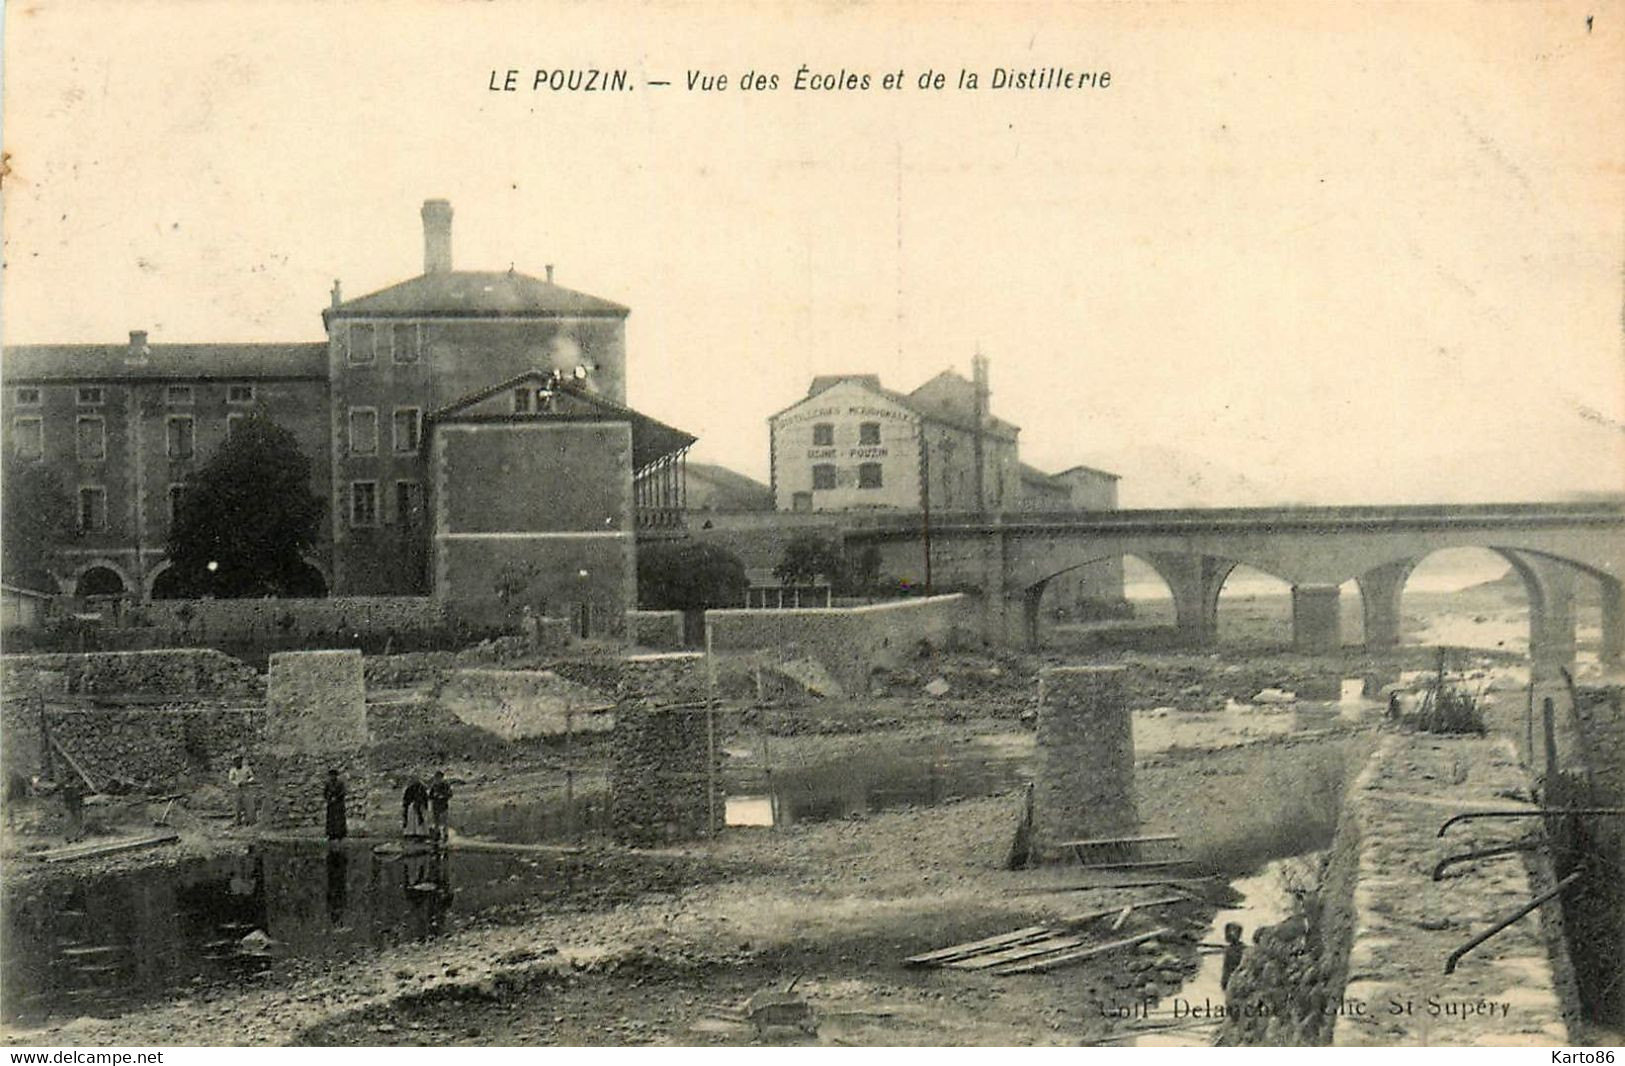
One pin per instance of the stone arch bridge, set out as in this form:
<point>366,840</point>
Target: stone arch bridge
<point>1010,558</point>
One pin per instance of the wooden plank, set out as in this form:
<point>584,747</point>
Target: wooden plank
<point>1089,916</point>
<point>1070,957</point>
<point>1116,840</point>
<point>929,958</point>
<point>1047,946</point>
<point>86,851</point>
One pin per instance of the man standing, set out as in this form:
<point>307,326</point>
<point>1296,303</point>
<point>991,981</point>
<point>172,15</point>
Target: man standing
<point>241,776</point>
<point>439,803</point>
<point>73,802</point>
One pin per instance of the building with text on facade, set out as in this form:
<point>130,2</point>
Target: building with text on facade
<point>385,408</point>
<point>853,445</point>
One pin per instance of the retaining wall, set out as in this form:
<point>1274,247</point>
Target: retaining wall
<point>852,642</point>
<point>155,748</point>
<point>1405,925</point>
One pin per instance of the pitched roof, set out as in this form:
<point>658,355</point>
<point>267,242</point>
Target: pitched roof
<point>652,439</point>
<point>1095,470</point>
<point>107,362</point>
<point>995,427</point>
<point>477,294</point>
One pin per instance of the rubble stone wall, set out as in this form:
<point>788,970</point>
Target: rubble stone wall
<point>154,748</point>
<point>1084,789</point>
<point>179,672</point>
<point>251,621</point>
<point>852,642</point>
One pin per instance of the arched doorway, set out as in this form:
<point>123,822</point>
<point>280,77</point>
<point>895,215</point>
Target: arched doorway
<point>166,584</point>
<point>99,582</point>
<point>308,582</point>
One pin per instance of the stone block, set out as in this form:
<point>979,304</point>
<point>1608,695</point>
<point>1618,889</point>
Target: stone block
<point>1085,781</point>
<point>317,702</point>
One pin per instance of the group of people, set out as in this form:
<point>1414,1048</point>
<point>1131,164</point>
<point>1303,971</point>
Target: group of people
<point>435,797</point>
<point>419,803</point>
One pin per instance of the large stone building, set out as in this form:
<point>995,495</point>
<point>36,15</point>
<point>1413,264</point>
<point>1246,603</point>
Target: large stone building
<point>469,430</point>
<point>853,445</point>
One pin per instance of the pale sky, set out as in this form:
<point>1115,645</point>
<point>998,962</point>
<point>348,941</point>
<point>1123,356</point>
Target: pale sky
<point>1294,252</point>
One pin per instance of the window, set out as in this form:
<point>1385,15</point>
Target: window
<point>363,503</point>
<point>178,395</point>
<point>363,431</point>
<point>92,509</point>
<point>362,343</point>
<point>868,475</point>
<point>180,441</point>
<point>27,397</point>
<point>521,401</point>
<point>175,492</point>
<point>28,438</point>
<point>92,442</point>
<point>90,395</point>
<point>823,476</point>
<point>408,504</point>
<point>869,433</point>
<point>823,435</point>
<point>407,420</point>
<point>233,420</point>
<point>406,343</point>
<point>239,394</point>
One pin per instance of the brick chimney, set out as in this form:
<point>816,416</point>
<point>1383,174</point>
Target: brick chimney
<point>437,236</point>
<point>138,350</point>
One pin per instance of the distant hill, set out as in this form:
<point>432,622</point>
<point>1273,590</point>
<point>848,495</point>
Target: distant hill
<point>1511,588</point>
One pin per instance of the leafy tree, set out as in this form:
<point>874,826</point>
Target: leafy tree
<point>36,515</point>
<point>688,576</point>
<point>250,513</point>
<point>806,558</point>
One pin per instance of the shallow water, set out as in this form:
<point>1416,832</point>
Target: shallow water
<point>1266,900</point>
<point>109,943</point>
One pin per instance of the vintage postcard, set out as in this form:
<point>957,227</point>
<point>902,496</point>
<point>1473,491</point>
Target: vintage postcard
<point>819,524</point>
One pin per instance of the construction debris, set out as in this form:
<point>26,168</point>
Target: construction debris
<point>1040,947</point>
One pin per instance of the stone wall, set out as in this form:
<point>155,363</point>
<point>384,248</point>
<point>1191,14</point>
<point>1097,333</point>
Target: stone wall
<point>852,642</point>
<point>655,629</point>
<point>316,719</point>
<point>1084,788</point>
<point>516,704</point>
<point>199,672</point>
<point>267,621</point>
<point>1405,924</point>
